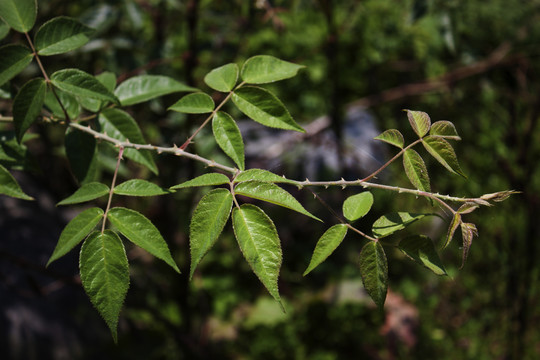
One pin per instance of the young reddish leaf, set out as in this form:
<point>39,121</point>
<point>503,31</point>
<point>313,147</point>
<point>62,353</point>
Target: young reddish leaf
<point>210,179</point>
<point>27,105</point>
<point>441,150</point>
<point>374,271</point>
<point>444,129</point>
<point>392,137</point>
<point>207,223</point>
<point>420,122</point>
<point>87,192</point>
<point>139,187</point>
<point>259,242</point>
<point>416,170</point>
<point>14,59</point>
<point>326,245</point>
<point>456,221</point>
<point>78,83</point>
<point>468,208</point>
<point>105,275</point>
<point>19,14</point>
<point>263,176</point>
<point>499,196</point>
<point>263,107</point>
<point>75,231</point>
<point>223,78</point>
<point>196,103</point>
<point>142,88</point>
<point>420,248</point>
<point>228,137</point>
<point>390,223</point>
<point>60,35</point>
<point>468,231</point>
<point>357,206</point>
<point>10,187</point>
<point>140,231</point>
<point>262,69</point>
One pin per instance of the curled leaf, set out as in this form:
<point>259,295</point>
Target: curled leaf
<point>468,231</point>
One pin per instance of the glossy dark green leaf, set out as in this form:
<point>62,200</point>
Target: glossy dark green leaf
<point>139,230</point>
<point>390,223</point>
<point>262,106</point>
<point>468,232</point>
<point>87,192</point>
<point>357,206</point>
<point>139,187</point>
<point>10,187</point>
<point>196,103</point>
<point>392,137</point>
<point>263,176</point>
<point>326,245</point>
<point>444,129</point>
<point>75,231</point>
<point>207,223</point>
<point>93,105</point>
<point>19,14</point>
<point>228,137</point>
<point>223,78</point>
<point>259,242</point>
<point>374,271</point>
<point>204,180</point>
<point>60,35</point>
<point>82,153</point>
<point>105,275</point>
<point>142,88</point>
<point>78,83</point>
<point>416,170</point>
<point>263,69</point>
<point>420,248</point>
<point>14,59</point>
<point>420,122</point>
<point>441,150</point>
<point>27,105</point>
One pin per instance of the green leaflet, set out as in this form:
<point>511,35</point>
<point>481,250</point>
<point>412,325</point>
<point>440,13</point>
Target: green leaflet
<point>87,192</point>
<point>78,83</point>
<point>19,14</point>
<point>390,223</point>
<point>222,78</point>
<point>203,180</point>
<point>120,125</point>
<point>271,193</point>
<point>420,122</point>
<point>441,150</point>
<point>259,242</point>
<point>109,81</point>
<point>105,275</point>
<point>4,29</point>
<point>75,231</point>
<point>142,88</point>
<point>326,245</point>
<point>196,103</point>
<point>207,223</point>
<point>263,176</point>
<point>392,137</point>
<point>82,153</point>
<point>71,104</point>
<point>262,106</point>
<point>139,230</point>
<point>357,206</point>
<point>444,129</point>
<point>138,187</point>
<point>10,187</point>
<point>27,105</point>
<point>14,59</point>
<point>14,155</point>
<point>374,271</point>
<point>420,248</point>
<point>468,232</point>
<point>228,137</point>
<point>416,170</point>
<point>262,69</point>
<point>60,35</point>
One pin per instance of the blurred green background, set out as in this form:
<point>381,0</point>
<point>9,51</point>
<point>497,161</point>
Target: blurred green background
<point>475,63</point>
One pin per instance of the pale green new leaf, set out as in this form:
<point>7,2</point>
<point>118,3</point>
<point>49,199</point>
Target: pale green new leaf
<point>271,193</point>
<point>263,69</point>
<point>262,106</point>
<point>222,78</point>
<point>120,125</point>
<point>87,192</point>
<point>60,35</point>
<point>392,137</point>
<point>263,176</point>
<point>78,83</point>
<point>14,59</point>
<point>210,179</point>
<point>139,187</point>
<point>196,103</point>
<point>468,232</point>
<point>142,88</point>
<point>228,137</point>
<point>259,242</point>
<point>390,223</point>
<point>416,170</point>
<point>75,231</point>
<point>326,245</point>
<point>444,129</point>
<point>207,223</point>
<point>10,187</point>
<point>357,206</point>
<point>19,14</point>
<point>139,230</point>
<point>420,122</point>
<point>374,271</point>
<point>82,153</point>
<point>105,275</point>
<point>27,105</point>
<point>456,221</point>
<point>420,248</point>
<point>441,150</point>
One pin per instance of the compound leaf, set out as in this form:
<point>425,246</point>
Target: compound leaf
<point>222,78</point>
<point>142,88</point>
<point>19,14</point>
<point>416,170</point>
<point>139,187</point>
<point>60,35</point>
<point>27,105</point>
<point>10,187</point>
<point>390,223</point>
<point>420,248</point>
<point>14,59</point>
<point>326,245</point>
<point>262,175</point>
<point>420,122</point>
<point>374,271</point>
<point>444,129</point>
<point>441,150</point>
<point>228,137</point>
<point>196,103</point>
<point>210,179</point>
<point>86,192</point>
<point>392,137</point>
<point>263,69</point>
<point>78,83</point>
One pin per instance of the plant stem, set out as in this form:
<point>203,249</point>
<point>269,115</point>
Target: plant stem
<point>111,191</point>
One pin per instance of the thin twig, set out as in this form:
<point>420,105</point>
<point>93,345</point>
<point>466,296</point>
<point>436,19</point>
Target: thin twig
<point>111,190</point>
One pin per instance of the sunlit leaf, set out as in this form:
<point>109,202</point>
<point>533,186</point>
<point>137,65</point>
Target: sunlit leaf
<point>357,206</point>
<point>468,232</point>
<point>222,78</point>
<point>262,106</point>
<point>14,59</point>
<point>196,103</point>
<point>60,35</point>
<point>204,180</point>
<point>75,231</point>
<point>420,122</point>
<point>142,88</point>
<point>10,187</point>
<point>456,221</point>
<point>392,137</point>
<point>326,245</point>
<point>262,175</point>
<point>105,275</point>
<point>27,105</point>
<point>441,150</point>
<point>207,223</point>
<point>263,69</point>
<point>444,129</point>
<point>390,223</point>
<point>228,137</point>
<point>139,187</point>
<point>19,14</point>
<point>78,83</point>
<point>374,271</point>
<point>416,170</point>
<point>420,248</point>
<point>87,192</point>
